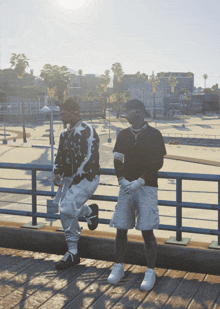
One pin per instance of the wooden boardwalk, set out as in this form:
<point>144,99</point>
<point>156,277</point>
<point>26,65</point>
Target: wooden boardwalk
<point>29,280</point>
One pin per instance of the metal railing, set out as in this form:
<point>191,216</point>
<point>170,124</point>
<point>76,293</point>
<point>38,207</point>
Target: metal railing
<point>178,203</point>
<point>191,135</point>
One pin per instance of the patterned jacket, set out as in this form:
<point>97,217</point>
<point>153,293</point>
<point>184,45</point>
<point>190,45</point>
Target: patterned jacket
<point>78,154</point>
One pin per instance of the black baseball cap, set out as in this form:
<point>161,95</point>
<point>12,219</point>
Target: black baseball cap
<point>69,105</point>
<point>135,104</point>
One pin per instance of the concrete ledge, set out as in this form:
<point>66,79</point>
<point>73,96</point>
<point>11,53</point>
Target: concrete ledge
<point>195,257</point>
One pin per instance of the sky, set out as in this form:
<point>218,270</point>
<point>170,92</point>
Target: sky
<point>142,35</point>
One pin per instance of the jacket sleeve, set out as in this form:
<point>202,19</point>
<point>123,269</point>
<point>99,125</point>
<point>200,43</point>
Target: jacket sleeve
<point>156,158</point>
<point>119,153</point>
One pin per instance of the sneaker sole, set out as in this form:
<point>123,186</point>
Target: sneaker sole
<point>95,212</point>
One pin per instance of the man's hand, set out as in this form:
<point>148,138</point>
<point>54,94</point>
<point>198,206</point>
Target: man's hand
<point>134,186</point>
<point>123,183</point>
<point>56,180</point>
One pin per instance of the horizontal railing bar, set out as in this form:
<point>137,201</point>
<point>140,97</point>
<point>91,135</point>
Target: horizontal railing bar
<point>106,171</point>
<point>107,221</point>
<point>17,191</point>
<point>104,198</point>
<point>56,216</point>
<point>189,176</point>
<point>45,193</point>
<point>16,212</point>
<point>44,215</point>
<point>166,203</point>
<point>199,230</point>
<point>167,227</point>
<point>199,205</point>
<point>16,166</point>
<point>188,205</point>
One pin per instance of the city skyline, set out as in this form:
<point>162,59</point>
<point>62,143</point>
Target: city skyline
<point>145,36</point>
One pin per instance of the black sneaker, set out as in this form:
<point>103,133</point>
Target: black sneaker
<point>68,260</point>
<point>93,219</point>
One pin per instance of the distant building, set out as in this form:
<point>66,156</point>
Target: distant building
<point>185,82</point>
<point>84,84</point>
<point>144,93</point>
<point>198,103</point>
<point>128,80</point>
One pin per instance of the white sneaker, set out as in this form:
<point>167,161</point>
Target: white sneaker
<point>149,280</point>
<point>116,274</point>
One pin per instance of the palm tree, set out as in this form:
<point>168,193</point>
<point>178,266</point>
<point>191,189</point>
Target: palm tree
<point>104,82</point>
<point>80,74</point>
<point>57,79</point>
<point>186,96</point>
<point>172,82</point>
<point>144,76</point>
<point>101,89</point>
<point>215,87</point>
<point>118,74</point>
<point>19,63</point>
<point>154,81</point>
<point>205,76</point>
<point>90,96</point>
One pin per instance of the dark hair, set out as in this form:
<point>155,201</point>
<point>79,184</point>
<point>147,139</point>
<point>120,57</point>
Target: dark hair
<point>70,105</point>
<point>135,104</point>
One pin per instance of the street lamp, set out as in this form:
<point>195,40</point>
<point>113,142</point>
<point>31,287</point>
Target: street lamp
<point>46,109</point>
<point>109,138</point>
<point>4,113</point>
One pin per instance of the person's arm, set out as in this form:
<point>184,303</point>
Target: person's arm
<point>155,162</point>
<point>58,165</point>
<point>119,156</point>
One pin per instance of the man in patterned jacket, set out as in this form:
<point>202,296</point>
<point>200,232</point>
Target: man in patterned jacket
<point>76,173</point>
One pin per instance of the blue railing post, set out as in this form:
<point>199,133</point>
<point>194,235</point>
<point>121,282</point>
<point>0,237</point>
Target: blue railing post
<point>219,213</point>
<point>178,209</point>
<point>34,198</point>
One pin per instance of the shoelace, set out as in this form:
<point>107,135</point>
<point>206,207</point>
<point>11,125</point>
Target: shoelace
<point>88,219</point>
<point>66,255</point>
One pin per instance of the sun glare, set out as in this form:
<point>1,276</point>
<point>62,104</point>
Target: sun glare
<point>72,4</point>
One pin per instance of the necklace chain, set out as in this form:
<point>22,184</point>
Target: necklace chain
<point>138,131</point>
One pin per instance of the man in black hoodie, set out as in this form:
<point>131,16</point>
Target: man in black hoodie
<point>138,155</point>
<point>76,173</point>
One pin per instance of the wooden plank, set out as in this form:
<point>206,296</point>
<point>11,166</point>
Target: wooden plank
<point>21,278</point>
<point>6,253</point>
<point>32,283</point>
<point>73,289</point>
<point>163,290</point>
<point>115,292</point>
<point>217,303</point>
<point>94,290</point>
<point>207,293</point>
<point>185,292</point>
<point>15,264</point>
<point>134,296</point>
<point>54,286</point>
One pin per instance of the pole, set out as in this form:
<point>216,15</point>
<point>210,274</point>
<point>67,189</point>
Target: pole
<point>4,140</point>
<point>109,138</point>
<point>154,114</point>
<point>23,121</point>
<point>51,140</point>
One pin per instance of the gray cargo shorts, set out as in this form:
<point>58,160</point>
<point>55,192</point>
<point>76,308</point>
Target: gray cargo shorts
<point>137,210</point>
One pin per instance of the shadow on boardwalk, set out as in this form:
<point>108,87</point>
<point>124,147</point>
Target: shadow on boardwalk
<point>29,280</point>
